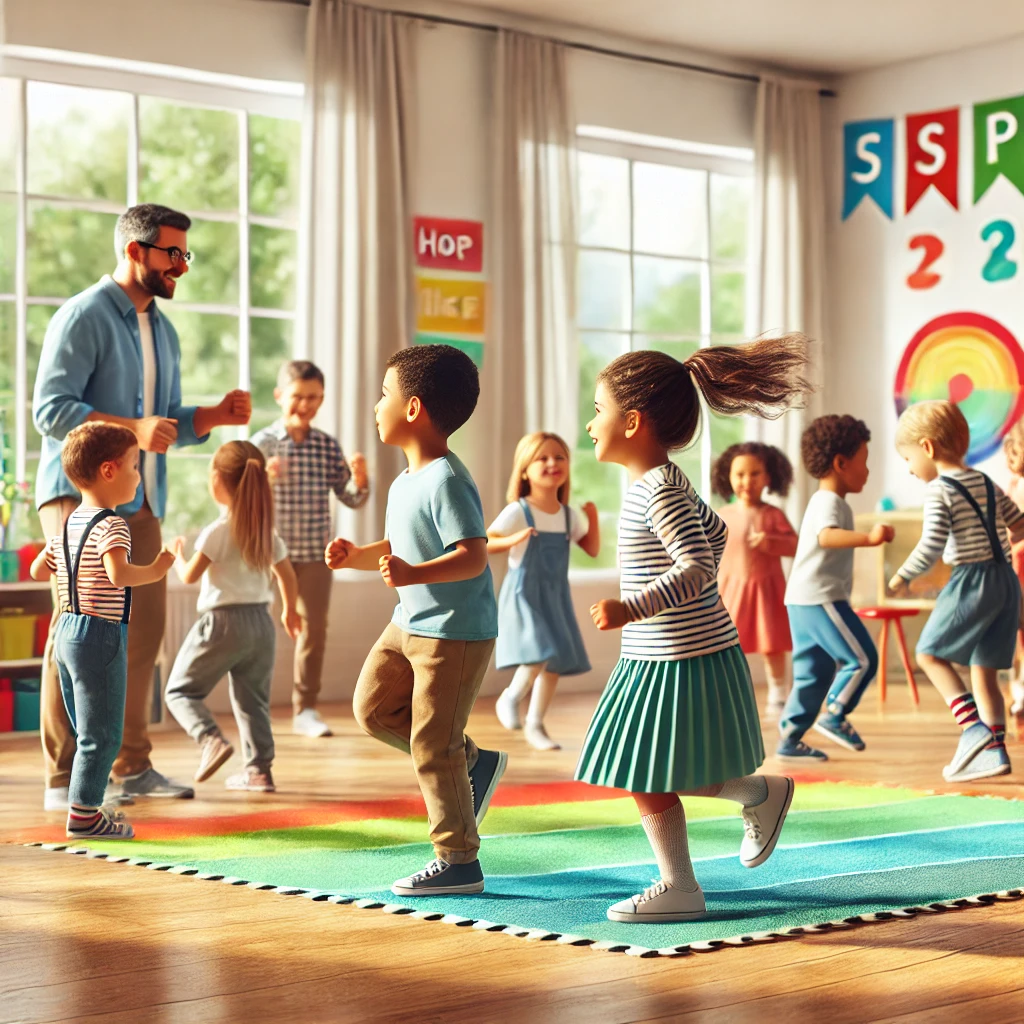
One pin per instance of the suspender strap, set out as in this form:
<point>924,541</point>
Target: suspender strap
<point>989,521</point>
<point>72,567</point>
<point>525,505</point>
<point>568,523</point>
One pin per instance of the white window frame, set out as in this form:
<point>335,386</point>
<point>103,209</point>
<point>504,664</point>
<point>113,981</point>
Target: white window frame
<point>713,160</point>
<point>243,97</point>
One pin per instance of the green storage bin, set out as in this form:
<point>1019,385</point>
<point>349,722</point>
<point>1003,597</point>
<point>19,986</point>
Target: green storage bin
<point>26,705</point>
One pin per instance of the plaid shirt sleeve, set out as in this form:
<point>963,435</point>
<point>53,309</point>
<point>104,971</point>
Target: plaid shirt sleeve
<point>341,480</point>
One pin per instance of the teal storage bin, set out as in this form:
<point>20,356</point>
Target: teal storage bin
<point>26,705</point>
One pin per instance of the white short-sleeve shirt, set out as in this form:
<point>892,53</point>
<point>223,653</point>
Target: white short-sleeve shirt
<point>512,519</point>
<point>229,579</point>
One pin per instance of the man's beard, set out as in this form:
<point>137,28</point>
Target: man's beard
<point>156,284</point>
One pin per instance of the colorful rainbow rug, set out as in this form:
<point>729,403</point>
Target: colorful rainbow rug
<point>556,855</point>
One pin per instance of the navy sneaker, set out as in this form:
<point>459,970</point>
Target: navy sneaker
<point>484,777</point>
<point>439,878</point>
<point>798,752</point>
<point>973,740</point>
<point>838,729</point>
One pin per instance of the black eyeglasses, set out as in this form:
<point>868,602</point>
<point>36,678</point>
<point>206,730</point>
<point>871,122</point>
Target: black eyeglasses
<point>173,251</point>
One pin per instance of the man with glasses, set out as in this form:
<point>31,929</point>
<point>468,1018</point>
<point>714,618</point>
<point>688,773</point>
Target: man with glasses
<point>110,354</point>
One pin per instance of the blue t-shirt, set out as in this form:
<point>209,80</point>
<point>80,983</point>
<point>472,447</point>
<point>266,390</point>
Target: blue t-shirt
<point>428,513</point>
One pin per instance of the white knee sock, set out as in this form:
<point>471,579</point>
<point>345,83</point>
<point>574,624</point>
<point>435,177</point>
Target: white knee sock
<point>540,699</point>
<point>778,691</point>
<point>522,681</point>
<point>667,835</point>
<point>750,790</point>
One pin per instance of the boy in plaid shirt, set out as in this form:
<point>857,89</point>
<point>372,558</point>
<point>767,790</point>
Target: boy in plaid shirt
<point>305,465</point>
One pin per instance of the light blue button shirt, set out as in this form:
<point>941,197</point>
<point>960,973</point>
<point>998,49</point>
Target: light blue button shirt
<point>92,362</point>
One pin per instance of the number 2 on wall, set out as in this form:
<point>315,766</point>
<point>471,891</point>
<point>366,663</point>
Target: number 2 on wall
<point>933,249</point>
<point>999,267</point>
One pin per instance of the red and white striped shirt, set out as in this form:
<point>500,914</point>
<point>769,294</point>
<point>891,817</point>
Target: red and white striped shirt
<point>96,594</point>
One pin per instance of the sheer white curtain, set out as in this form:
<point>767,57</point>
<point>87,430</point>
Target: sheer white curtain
<point>788,244</point>
<point>532,378</point>
<point>356,299</point>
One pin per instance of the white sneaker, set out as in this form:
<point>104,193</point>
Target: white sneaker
<point>55,799</point>
<point>763,821</point>
<point>659,903</point>
<point>538,738</point>
<point>507,710</point>
<point>309,723</point>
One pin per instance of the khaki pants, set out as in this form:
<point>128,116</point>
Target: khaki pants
<point>415,693</point>
<point>145,635</point>
<point>315,582</point>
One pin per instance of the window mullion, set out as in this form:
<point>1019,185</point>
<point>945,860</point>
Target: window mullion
<point>705,339</point>
<point>133,153</point>
<point>244,289</point>
<point>21,289</point>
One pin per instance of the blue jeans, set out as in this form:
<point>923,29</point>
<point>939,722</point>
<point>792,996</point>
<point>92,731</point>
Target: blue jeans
<point>834,660</point>
<point>91,655</point>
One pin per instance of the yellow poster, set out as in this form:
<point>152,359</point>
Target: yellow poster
<point>450,306</point>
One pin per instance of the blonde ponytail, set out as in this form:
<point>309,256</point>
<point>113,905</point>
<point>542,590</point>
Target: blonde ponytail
<point>240,464</point>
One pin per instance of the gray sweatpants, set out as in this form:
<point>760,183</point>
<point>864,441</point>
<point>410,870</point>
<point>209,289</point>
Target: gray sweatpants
<point>237,641</point>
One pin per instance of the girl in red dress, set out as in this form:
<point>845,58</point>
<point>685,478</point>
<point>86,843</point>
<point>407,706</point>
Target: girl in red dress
<point>750,577</point>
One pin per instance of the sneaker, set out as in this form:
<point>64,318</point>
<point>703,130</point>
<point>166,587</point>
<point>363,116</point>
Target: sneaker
<point>973,740</point>
<point>309,723</point>
<point>538,738</point>
<point>215,751</point>
<point>507,709</point>
<point>763,822</point>
<point>439,878</point>
<point>152,784</point>
<point>111,825</point>
<point>838,729</point>
<point>659,903</point>
<point>985,765</point>
<point>252,780</point>
<point>55,798</point>
<point>484,778</point>
<point>798,752</point>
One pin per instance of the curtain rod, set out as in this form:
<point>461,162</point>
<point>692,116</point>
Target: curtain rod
<point>604,51</point>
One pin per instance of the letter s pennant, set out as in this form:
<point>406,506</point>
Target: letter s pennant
<point>868,164</point>
<point>933,155</point>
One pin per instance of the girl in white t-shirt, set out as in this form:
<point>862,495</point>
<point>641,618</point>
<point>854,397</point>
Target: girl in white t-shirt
<point>537,629</point>
<point>236,557</point>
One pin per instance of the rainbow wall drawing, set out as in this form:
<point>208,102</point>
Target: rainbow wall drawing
<point>974,361</point>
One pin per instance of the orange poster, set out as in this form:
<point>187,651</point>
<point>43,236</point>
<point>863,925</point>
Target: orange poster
<point>450,306</point>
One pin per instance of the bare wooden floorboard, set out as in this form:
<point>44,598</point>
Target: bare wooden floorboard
<point>84,940</point>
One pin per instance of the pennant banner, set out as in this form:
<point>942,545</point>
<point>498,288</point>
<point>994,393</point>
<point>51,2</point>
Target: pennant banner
<point>933,155</point>
<point>868,164</point>
<point>998,143</point>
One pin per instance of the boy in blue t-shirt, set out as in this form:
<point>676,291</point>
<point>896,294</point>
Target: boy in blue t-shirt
<point>420,681</point>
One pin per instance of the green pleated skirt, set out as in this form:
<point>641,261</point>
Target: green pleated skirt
<point>666,726</point>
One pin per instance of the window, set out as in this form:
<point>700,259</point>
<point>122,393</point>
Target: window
<point>71,160</point>
<point>662,265</point>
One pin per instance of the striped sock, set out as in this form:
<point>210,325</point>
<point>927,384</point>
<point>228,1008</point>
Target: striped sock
<point>965,711</point>
<point>82,818</point>
<point>998,736</point>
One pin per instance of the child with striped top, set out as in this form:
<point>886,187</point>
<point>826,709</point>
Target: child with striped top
<point>91,560</point>
<point>678,714</point>
<point>977,613</point>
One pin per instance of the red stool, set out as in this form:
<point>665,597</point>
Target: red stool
<point>886,614</point>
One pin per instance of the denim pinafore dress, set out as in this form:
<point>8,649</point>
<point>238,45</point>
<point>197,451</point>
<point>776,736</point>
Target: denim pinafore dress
<point>536,620</point>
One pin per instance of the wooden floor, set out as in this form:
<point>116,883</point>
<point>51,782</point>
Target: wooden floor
<point>86,941</point>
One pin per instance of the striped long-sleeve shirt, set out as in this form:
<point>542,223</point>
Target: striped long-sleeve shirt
<point>952,529</point>
<point>670,544</point>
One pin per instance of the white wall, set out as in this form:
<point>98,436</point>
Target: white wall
<point>873,313</point>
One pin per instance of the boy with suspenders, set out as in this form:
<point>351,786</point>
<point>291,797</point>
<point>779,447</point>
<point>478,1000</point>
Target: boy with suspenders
<point>91,560</point>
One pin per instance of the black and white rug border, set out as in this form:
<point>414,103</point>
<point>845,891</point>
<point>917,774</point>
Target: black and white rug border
<point>540,934</point>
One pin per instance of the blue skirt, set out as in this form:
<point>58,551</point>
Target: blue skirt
<point>976,617</point>
<point>666,726</point>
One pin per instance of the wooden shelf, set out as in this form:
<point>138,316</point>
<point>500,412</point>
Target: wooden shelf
<point>21,666</point>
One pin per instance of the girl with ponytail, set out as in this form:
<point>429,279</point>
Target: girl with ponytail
<point>236,558</point>
<point>678,714</point>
